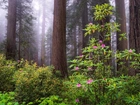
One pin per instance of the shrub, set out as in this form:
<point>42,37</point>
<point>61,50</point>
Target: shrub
<point>122,90</point>
<point>8,99</point>
<point>72,90</point>
<point>96,58</point>
<point>52,100</point>
<point>34,82</point>
<point>91,82</point>
<point>7,70</point>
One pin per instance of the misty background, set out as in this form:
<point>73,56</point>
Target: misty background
<point>37,8</point>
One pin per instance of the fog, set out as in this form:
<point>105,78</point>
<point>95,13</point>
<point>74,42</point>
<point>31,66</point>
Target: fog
<point>37,9</point>
<point>2,23</point>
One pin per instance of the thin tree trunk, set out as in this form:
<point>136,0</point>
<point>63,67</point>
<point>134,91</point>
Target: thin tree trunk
<point>84,23</point>
<point>80,39</point>
<point>73,42</point>
<point>43,37</point>
<point>20,32</point>
<point>121,19</point>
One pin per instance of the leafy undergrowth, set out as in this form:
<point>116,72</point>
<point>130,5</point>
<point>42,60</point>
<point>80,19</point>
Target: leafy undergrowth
<point>33,85</point>
<point>8,99</point>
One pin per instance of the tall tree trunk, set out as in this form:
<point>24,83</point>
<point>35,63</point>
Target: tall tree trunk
<point>74,43</point>
<point>59,37</point>
<point>43,37</point>
<point>80,39</point>
<point>134,34</point>
<point>85,22</point>
<point>121,19</point>
<point>38,34</point>
<point>11,30</point>
<point>20,31</point>
<point>134,31</point>
<point>73,49</point>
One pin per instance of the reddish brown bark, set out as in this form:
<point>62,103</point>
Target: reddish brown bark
<point>134,34</point>
<point>59,37</point>
<point>134,31</point>
<point>121,19</point>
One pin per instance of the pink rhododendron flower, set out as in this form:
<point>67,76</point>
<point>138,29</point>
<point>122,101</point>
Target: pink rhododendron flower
<point>100,41</point>
<point>76,68</point>
<point>81,56</point>
<point>103,45</point>
<point>90,23</point>
<point>102,26</point>
<point>78,85</point>
<point>95,47</point>
<point>89,68</point>
<point>89,81</point>
<point>77,100</point>
<point>130,51</point>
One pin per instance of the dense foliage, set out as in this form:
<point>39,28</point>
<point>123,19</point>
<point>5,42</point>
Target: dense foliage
<point>7,69</point>
<point>32,82</point>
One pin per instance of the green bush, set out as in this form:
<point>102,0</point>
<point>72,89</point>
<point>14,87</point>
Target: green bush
<point>123,90</point>
<point>8,99</point>
<point>34,82</point>
<point>91,82</point>
<point>7,70</point>
<point>96,59</point>
<point>72,90</point>
<point>52,100</point>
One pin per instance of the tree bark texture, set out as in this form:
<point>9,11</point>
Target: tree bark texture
<point>134,31</point>
<point>11,30</point>
<point>59,37</point>
<point>84,23</point>
<point>121,19</point>
<point>134,34</point>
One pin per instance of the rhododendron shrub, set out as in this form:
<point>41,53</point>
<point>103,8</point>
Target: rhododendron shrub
<point>96,59</point>
<point>123,90</point>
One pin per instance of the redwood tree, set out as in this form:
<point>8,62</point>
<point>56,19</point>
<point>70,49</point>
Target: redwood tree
<point>59,37</point>
<point>85,22</point>
<point>134,31</point>
<point>121,19</point>
<point>11,30</point>
<point>134,34</point>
